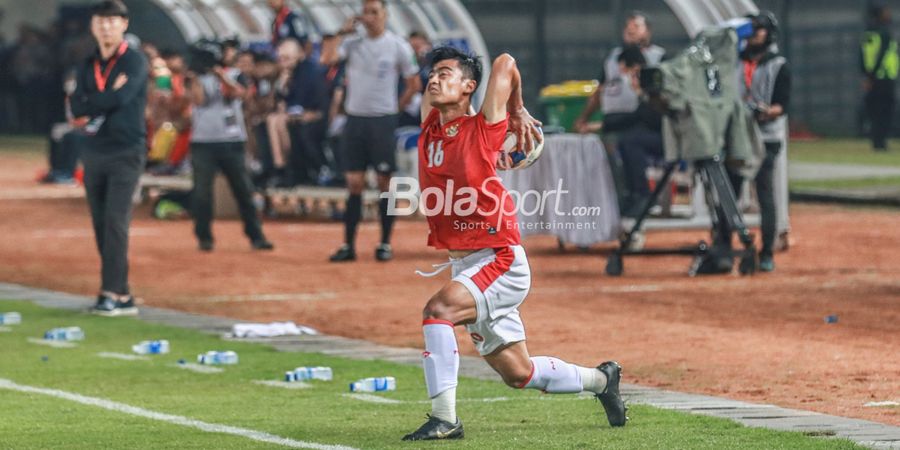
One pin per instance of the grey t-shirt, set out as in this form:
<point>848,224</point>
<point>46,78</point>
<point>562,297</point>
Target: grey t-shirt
<point>217,120</point>
<point>374,67</point>
<point>618,95</point>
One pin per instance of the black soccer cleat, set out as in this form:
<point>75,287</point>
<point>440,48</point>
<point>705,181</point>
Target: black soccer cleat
<point>435,429</point>
<point>384,252</point>
<point>262,244</point>
<point>610,399</point>
<point>344,254</point>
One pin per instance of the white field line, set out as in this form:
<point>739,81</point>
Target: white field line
<point>284,384</point>
<point>374,399</point>
<point>123,356</point>
<point>199,368</point>
<point>50,343</point>
<point>254,435</point>
<point>5,329</point>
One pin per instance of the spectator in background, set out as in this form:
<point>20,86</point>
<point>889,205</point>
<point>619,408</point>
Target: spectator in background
<point>306,104</point>
<point>109,104</point>
<point>259,103</point>
<point>32,65</point>
<point>178,106</point>
<point>376,59</point>
<point>276,120</point>
<point>245,64</point>
<point>640,142</point>
<point>615,96</point>
<point>231,48</point>
<point>766,88</point>
<point>336,86</point>
<point>880,64</point>
<point>288,24</point>
<point>421,46</point>
<point>217,144</point>
<point>422,49</point>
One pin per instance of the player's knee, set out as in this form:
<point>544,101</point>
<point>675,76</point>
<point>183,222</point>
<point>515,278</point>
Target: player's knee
<point>436,309</point>
<point>517,378</point>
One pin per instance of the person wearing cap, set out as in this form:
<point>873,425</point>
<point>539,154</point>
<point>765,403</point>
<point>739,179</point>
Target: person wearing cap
<point>766,89</point>
<point>108,107</point>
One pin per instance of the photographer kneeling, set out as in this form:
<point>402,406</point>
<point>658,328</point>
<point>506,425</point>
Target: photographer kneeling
<point>217,143</point>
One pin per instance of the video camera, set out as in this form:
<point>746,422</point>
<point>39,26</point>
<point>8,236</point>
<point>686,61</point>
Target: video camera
<point>652,79</point>
<point>203,55</point>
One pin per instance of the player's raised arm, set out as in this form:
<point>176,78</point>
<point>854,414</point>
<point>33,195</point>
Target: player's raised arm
<point>504,95</point>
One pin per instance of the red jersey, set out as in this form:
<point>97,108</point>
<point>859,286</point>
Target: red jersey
<point>466,204</point>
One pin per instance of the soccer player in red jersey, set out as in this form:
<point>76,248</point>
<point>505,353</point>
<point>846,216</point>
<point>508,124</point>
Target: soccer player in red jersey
<point>475,221</point>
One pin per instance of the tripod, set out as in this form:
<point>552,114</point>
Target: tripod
<point>725,216</point>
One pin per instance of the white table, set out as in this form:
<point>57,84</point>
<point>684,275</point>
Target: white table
<point>588,213</point>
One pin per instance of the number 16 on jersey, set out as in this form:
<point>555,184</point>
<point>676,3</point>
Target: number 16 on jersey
<point>435,154</point>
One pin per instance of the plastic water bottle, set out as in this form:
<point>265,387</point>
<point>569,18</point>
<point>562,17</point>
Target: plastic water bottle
<point>151,347</point>
<point>217,358</point>
<point>65,334</point>
<point>10,318</point>
<point>309,373</point>
<point>379,384</point>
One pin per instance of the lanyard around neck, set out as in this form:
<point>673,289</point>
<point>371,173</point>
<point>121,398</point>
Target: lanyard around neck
<point>101,77</point>
<point>279,21</point>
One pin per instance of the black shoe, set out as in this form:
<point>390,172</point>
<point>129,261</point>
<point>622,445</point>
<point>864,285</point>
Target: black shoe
<point>610,399</point>
<point>436,428</point>
<point>205,246</point>
<point>262,244</point>
<point>343,254</point>
<point>109,307</point>
<point>384,252</point>
<point>766,263</point>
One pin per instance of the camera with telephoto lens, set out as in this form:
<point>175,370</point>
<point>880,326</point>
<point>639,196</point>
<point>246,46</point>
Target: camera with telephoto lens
<point>204,55</point>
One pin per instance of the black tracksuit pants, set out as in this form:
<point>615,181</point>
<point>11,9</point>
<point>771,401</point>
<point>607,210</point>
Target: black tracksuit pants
<point>110,179</point>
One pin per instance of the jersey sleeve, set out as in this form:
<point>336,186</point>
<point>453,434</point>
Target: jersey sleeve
<point>491,135</point>
<point>432,118</point>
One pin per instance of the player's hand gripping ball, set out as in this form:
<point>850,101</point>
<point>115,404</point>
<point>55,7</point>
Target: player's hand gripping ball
<point>512,158</point>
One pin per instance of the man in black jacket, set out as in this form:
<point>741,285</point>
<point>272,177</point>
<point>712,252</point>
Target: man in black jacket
<point>108,106</point>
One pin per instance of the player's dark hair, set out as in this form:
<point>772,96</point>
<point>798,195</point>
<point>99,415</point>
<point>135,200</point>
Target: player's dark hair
<point>110,8</point>
<point>468,63</point>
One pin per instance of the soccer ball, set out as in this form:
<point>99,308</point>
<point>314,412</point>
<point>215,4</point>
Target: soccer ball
<point>519,159</point>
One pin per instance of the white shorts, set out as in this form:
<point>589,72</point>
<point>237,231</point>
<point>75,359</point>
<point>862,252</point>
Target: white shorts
<point>499,280</point>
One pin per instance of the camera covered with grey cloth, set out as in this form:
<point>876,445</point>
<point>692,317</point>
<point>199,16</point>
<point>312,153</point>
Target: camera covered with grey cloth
<point>705,117</point>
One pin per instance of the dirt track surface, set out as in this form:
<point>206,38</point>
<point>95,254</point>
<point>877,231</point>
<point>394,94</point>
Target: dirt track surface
<point>761,339</point>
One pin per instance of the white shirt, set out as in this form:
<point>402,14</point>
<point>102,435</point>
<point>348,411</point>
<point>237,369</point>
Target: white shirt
<point>374,68</point>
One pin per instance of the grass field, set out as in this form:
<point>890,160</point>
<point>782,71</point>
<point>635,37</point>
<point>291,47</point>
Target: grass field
<point>322,414</point>
<point>843,151</point>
